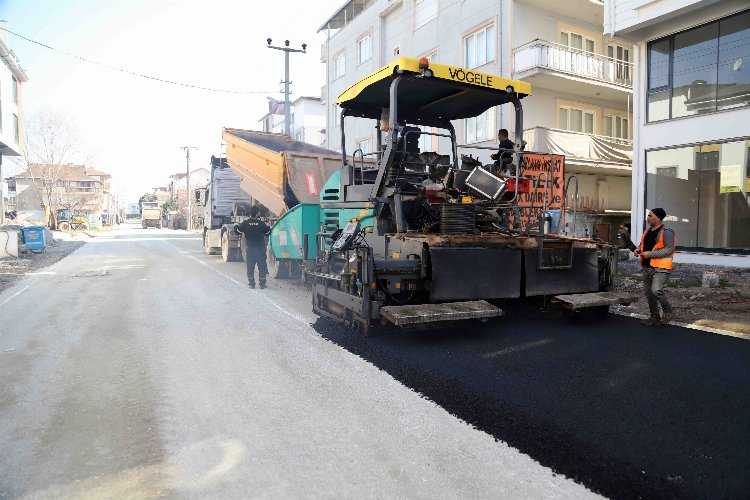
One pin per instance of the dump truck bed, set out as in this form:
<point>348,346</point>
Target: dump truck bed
<point>151,214</point>
<point>276,171</point>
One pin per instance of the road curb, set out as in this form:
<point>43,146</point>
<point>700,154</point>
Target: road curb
<point>692,326</point>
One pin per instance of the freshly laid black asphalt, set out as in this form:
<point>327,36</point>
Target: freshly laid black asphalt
<point>628,411</point>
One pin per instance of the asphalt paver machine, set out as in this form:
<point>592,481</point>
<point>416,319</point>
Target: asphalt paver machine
<point>412,237</point>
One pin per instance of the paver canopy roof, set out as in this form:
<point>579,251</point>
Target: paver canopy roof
<point>449,93</point>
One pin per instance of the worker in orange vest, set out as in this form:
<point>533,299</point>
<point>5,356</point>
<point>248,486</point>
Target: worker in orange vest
<point>655,251</point>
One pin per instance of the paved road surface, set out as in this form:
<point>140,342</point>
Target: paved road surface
<point>138,367</point>
<point>630,412</point>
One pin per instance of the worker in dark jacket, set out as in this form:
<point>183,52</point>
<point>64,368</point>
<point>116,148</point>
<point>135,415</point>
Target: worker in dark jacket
<point>255,231</point>
<point>655,251</point>
<point>504,155</point>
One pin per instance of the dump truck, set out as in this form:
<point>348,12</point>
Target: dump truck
<point>266,169</point>
<point>421,237</point>
<point>224,203</point>
<point>150,214</point>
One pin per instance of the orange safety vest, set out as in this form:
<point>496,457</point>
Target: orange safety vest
<point>661,263</point>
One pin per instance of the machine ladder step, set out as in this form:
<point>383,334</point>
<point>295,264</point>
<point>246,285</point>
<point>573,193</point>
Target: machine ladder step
<point>577,301</point>
<point>432,313</point>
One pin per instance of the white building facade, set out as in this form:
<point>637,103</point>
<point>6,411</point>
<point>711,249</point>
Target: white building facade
<point>692,117</point>
<point>12,77</point>
<point>581,81</point>
<point>308,119</point>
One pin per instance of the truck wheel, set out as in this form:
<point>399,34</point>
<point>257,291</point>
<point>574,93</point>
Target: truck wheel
<point>206,249</point>
<point>225,247</point>
<point>228,253</point>
<point>64,226</point>
<point>209,250</point>
<point>295,270</point>
<point>277,269</point>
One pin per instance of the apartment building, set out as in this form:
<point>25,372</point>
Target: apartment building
<point>162,193</point>
<point>692,118</point>
<point>12,77</point>
<point>177,189</point>
<point>581,81</point>
<point>307,116</point>
<point>41,188</point>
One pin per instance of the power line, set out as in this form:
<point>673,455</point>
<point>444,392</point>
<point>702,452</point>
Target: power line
<point>136,73</point>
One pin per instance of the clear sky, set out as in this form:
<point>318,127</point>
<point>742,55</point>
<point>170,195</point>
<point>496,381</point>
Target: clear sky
<point>133,128</point>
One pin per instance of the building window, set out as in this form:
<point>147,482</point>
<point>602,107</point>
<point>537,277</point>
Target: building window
<point>424,12</point>
<point>621,56</point>
<point>479,47</point>
<point>700,70</point>
<point>16,129</point>
<point>694,62</point>
<point>576,120</point>
<point>364,145</point>
<point>431,55</point>
<point>733,86</point>
<point>364,49</point>
<point>339,65</point>
<point>15,90</point>
<point>658,80</point>
<point>616,126</point>
<point>667,171</point>
<point>577,41</point>
<point>704,191</point>
<point>480,128</point>
<point>426,141</point>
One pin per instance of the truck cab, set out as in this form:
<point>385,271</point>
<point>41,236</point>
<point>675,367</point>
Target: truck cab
<point>224,203</point>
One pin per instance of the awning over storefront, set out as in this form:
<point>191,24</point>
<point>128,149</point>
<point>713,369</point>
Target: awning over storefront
<point>580,147</point>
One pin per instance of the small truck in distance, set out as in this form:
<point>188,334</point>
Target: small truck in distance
<point>151,214</point>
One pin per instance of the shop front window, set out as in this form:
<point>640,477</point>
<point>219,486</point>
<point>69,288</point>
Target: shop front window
<point>694,58</point>
<point>700,70</point>
<point>704,189</point>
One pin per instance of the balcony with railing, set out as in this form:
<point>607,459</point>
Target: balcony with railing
<point>541,57</point>
<point>589,152</point>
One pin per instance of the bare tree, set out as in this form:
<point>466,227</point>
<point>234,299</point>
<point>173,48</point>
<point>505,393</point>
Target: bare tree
<point>51,143</point>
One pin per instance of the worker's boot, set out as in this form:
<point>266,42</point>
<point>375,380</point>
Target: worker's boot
<point>666,317</point>
<point>251,285</point>
<point>262,284</point>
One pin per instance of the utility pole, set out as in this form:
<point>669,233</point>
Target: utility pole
<point>287,112</point>
<point>189,222</point>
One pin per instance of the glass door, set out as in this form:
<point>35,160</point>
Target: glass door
<point>707,170</point>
